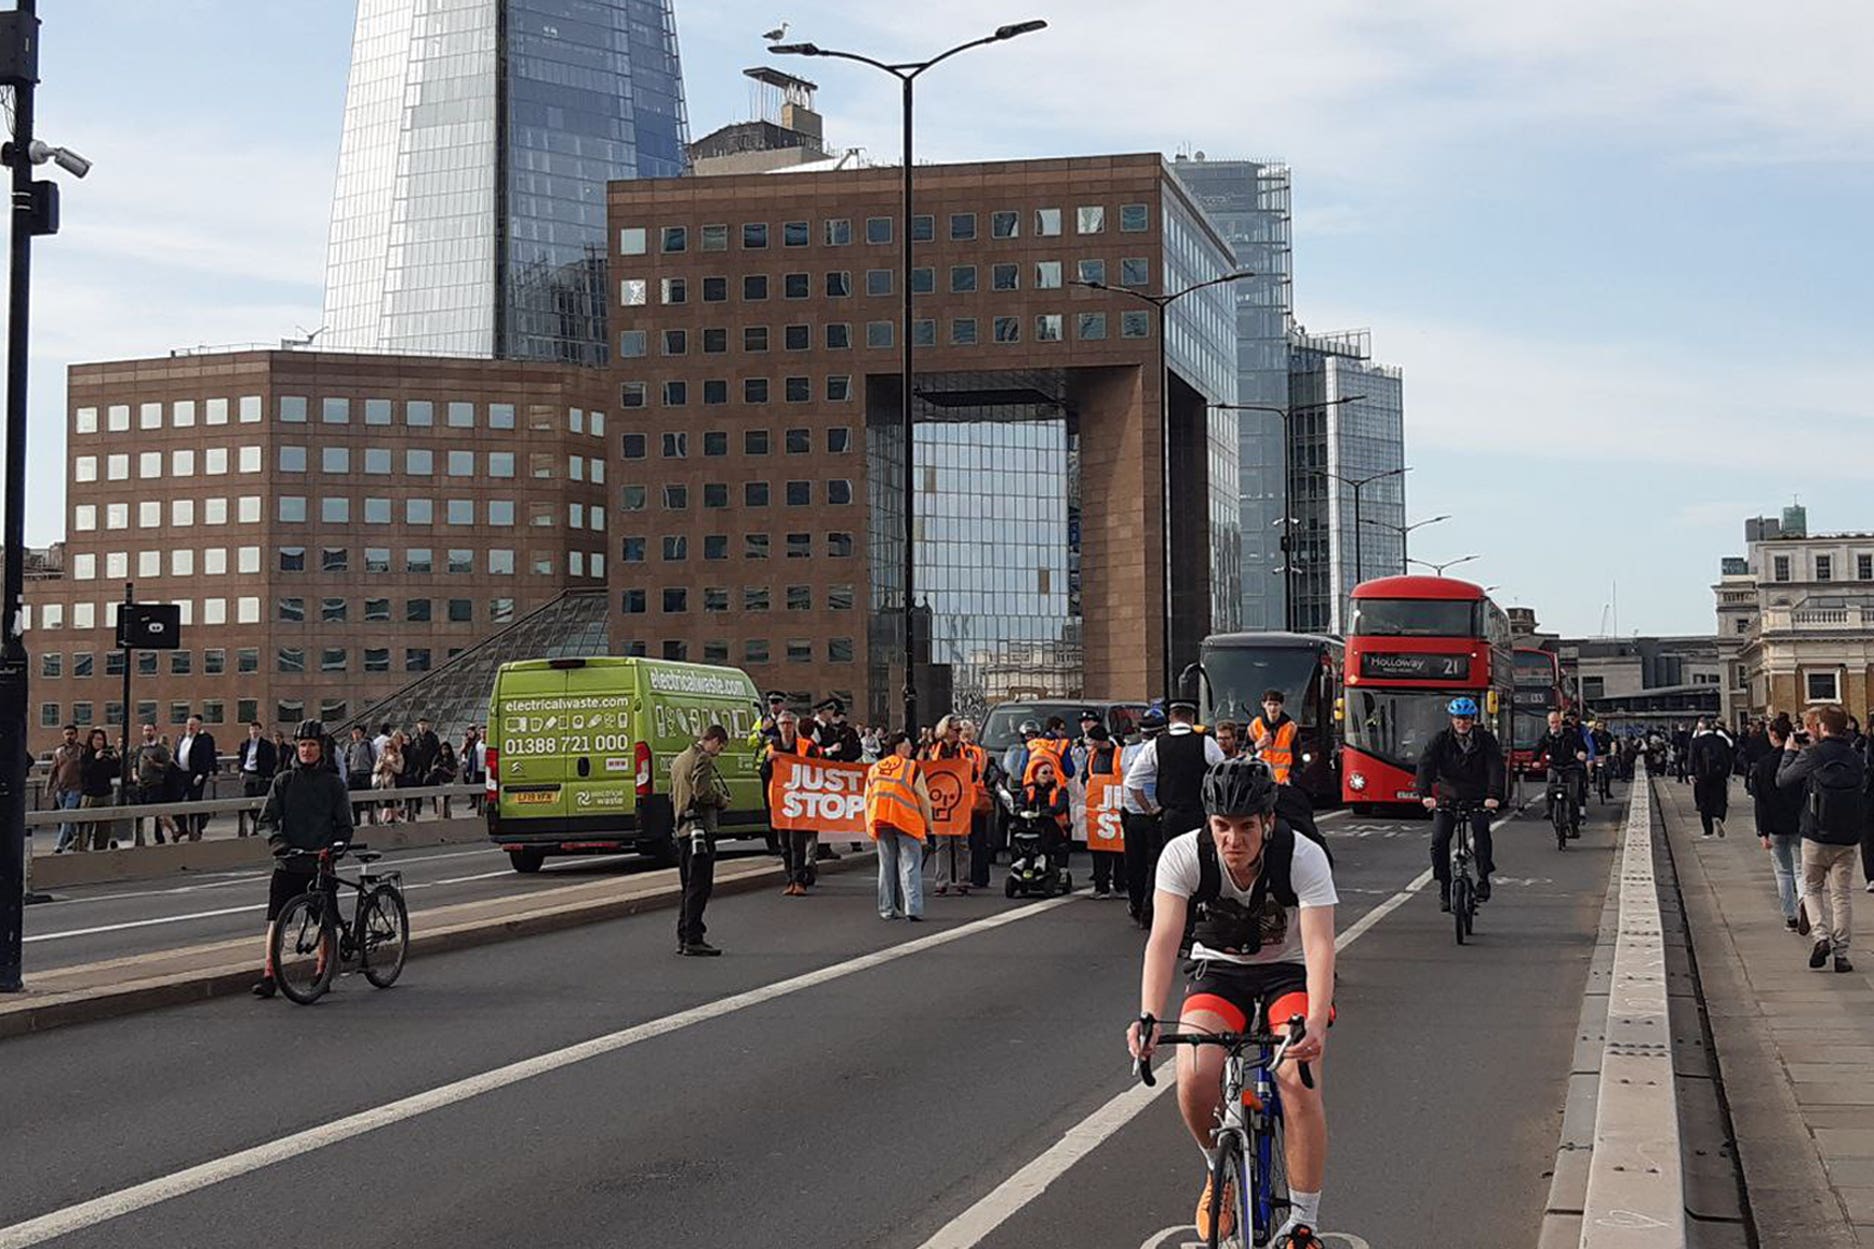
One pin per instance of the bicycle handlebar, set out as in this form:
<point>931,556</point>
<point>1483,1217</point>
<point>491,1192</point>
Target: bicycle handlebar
<point>1297,1029</point>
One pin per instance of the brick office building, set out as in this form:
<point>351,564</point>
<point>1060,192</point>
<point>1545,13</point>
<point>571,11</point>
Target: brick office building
<point>336,525</point>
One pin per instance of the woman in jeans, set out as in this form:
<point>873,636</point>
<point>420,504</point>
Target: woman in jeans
<point>1779,825</point>
<point>98,775</point>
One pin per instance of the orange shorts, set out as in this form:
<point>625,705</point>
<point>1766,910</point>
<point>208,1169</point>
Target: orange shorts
<point>1235,991</point>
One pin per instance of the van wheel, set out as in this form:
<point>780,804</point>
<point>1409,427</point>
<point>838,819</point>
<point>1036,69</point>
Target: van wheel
<point>527,861</point>
<point>662,852</point>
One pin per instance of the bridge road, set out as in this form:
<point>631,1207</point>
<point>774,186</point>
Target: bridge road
<point>865,1103</point>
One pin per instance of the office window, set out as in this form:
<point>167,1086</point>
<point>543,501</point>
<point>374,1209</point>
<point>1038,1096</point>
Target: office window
<point>461,611</point>
<point>335,511</point>
<point>1135,218</point>
<point>676,498</point>
<point>419,462</point>
<point>797,338</point>
<point>1824,568</point>
<point>1090,219</point>
<point>716,238</point>
<point>676,394</point>
<point>754,338</point>
<point>838,232</point>
<point>1779,568</point>
<point>117,467</point>
<point>715,341</point>
<point>336,459</point>
<point>755,494</point>
<point>716,547</point>
<point>1135,271</point>
<point>755,546</point>
<point>118,420</point>
<point>419,511</point>
<point>673,290</point>
<point>419,559</point>
<point>632,551</point>
<point>377,559</point>
<point>755,598</point>
<point>839,650</point>
<point>878,230</point>
<point>838,387</point>
<point>85,468</point>
<point>800,598</point>
<point>292,459</point>
<point>796,285</point>
<point>879,333</point>
<point>292,559</point>
<point>798,389</point>
<point>293,409</point>
<point>1047,222</point>
<point>676,600</point>
<point>838,440</point>
<point>1135,324</point>
<point>1005,225</point>
<point>963,331</point>
<point>377,659</point>
<point>676,547</point>
<point>500,562</point>
<point>459,512</point>
<point>755,651</point>
<point>796,234</point>
<point>334,610</point>
<point>461,415</point>
<point>635,446</point>
<point>631,499</point>
<point>715,290</point>
<point>754,287</point>
<point>417,611</point>
<point>1090,326</point>
<point>754,390</point>
<point>182,463</point>
<point>1822,687</point>
<point>1005,277</point>
<point>676,342</point>
<point>632,344</point>
<point>923,228</point>
<point>290,610</point>
<point>676,238</point>
<point>1048,327</point>
<point>419,413</point>
<point>1008,329</point>
<point>878,282</point>
<point>800,546</point>
<point>715,494</point>
<point>149,465</point>
<point>799,494</point>
<point>1864,567</point>
<point>715,443</point>
<point>839,545</point>
<point>149,514</point>
<point>292,509</point>
<point>633,394</point>
<point>1047,275</point>
<point>838,492</point>
<point>923,280</point>
<point>416,659</point>
<point>799,651</point>
<point>754,235</point>
<point>962,227</point>
<point>678,652</point>
<point>754,442</point>
<point>676,445</point>
<point>290,659</point>
<point>838,336</point>
<point>334,559</point>
<point>632,602</point>
<point>839,598</point>
<point>962,279</point>
<point>1093,271</point>
<point>838,284</point>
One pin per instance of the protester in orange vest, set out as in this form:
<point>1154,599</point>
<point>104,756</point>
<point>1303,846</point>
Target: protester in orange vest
<point>1274,733</point>
<point>1051,746</point>
<point>1109,866</point>
<point>796,844</point>
<point>950,856</point>
<point>898,815</point>
<point>1048,796</point>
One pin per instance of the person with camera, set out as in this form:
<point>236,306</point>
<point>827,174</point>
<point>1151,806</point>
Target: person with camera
<point>1831,775</point>
<point>698,794</point>
<point>307,809</point>
<point>1779,823</point>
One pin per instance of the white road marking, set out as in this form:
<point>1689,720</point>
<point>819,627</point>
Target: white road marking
<point>125,1201</point>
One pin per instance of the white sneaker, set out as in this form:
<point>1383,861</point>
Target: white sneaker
<point>1870,886</point>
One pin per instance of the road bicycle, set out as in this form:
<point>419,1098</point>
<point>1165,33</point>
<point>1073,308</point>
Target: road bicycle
<point>311,939</point>
<point>1249,1132</point>
<point>1463,868</point>
<point>1604,782</point>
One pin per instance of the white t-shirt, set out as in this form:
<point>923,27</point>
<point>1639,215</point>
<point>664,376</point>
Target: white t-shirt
<point>1180,872</point>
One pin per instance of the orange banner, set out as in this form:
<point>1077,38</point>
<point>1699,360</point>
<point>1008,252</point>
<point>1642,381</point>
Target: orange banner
<point>821,796</point>
<point>1106,805</point>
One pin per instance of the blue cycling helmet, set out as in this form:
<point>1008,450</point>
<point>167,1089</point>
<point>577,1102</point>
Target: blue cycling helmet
<point>1462,707</point>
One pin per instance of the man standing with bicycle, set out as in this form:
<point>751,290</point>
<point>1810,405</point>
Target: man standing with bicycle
<point>307,809</point>
<point>1260,904</point>
<point>1463,764</point>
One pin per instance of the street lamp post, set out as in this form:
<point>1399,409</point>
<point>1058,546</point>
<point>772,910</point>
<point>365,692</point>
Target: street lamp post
<point>1405,531</point>
<point>907,73</point>
<point>1288,475</point>
<point>1439,568</point>
<point>1160,302</point>
<point>1359,485</point>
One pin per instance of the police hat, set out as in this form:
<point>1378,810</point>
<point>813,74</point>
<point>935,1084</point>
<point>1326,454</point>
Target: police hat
<point>776,696</point>
<point>1152,722</point>
<point>1090,714</point>
<point>831,704</point>
<point>1182,704</point>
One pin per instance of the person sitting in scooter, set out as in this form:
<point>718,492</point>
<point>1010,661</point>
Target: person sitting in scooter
<point>1047,796</point>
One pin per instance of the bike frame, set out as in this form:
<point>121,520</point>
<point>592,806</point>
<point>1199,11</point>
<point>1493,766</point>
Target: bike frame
<point>367,882</point>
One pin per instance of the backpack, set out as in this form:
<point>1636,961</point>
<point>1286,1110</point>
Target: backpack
<point>1837,801</point>
<point>1236,926</point>
<point>1714,757</point>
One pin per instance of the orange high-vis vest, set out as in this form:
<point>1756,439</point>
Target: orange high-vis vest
<point>1053,750</point>
<point>891,798</point>
<point>1279,754</point>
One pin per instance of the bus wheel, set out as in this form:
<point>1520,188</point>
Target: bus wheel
<point>527,861</point>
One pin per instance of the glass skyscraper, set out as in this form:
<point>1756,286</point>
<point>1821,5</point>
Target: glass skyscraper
<point>479,136</point>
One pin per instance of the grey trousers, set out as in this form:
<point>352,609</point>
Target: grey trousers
<point>1828,892</point>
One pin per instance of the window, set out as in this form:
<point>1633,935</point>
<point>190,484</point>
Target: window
<point>1047,222</point>
<point>52,664</point>
<point>923,280</point>
<point>676,445</point>
<point>1741,624</point>
<point>1048,327</point>
<point>631,241</point>
<point>292,508</point>
<point>676,498</point>
<point>419,462</point>
<point>839,598</point>
<point>1005,225</point>
<point>461,611</point>
<point>716,547</point>
<point>838,232</point>
<point>292,559</point>
<point>838,440</point>
<point>335,511</point>
<point>1090,326</point>
<point>755,651</point>
<point>334,559</point>
<point>631,499</point>
<point>796,285</point>
<point>632,344</point>
<point>676,239</point>
<point>838,336</point>
<point>459,511</point>
<point>962,279</point>
<point>755,442</point>
<point>716,238</point>
<point>676,394</point>
<point>1822,687</point>
<point>755,546</point>
<point>754,338</point>
<point>1135,271</point>
<point>149,464</point>
<point>290,659</point>
<point>839,491</point>
<point>839,545</point>
<point>800,494</point>
<point>377,559</point>
<point>293,409</point>
<point>962,227</point>
<point>461,415</point>
<point>1006,277</point>
<point>878,230</point>
<point>878,282</point>
<point>715,290</point>
<point>838,387</point>
<point>839,650</point>
<point>673,290</point>
<point>923,228</point>
<point>633,550</point>
<point>292,459</point>
<point>1093,271</point>
<point>878,333</point>
<point>419,559</point>
<point>799,651</point>
<point>755,494</point>
<point>419,511</point>
<point>800,598</point>
<point>754,390</point>
<point>182,463</point>
<point>800,546</point>
<point>1779,568</point>
<point>796,234</point>
<point>500,562</point>
<point>377,659</point>
<point>1824,568</point>
<point>633,395</point>
<point>335,411</point>
<point>676,342</point>
<point>676,600</point>
<point>632,602</point>
<point>1047,275</point>
<point>715,341</point>
<point>1090,219</point>
<point>419,413</point>
<point>963,331</point>
<point>117,467</point>
<point>677,651</point>
<point>85,468</point>
<point>755,598</point>
<point>1135,218</point>
<point>754,287</point>
<point>633,292</point>
<point>715,494</point>
<point>1135,324</point>
<point>1864,567</point>
<point>676,547</point>
<point>838,283</point>
<point>333,610</point>
<point>1008,329</point>
<point>754,235</point>
<point>416,659</point>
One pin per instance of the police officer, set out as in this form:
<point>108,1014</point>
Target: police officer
<point>1140,824</point>
<point>837,741</point>
<point>1175,761</point>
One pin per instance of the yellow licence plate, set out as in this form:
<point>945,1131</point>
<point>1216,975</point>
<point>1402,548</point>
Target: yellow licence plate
<point>535,797</point>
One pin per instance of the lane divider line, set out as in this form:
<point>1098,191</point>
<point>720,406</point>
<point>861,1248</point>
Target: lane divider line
<point>86,1214</point>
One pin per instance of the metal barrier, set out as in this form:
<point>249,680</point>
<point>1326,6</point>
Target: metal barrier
<point>221,806</point>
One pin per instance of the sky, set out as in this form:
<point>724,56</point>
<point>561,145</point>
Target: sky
<point>1618,249</point>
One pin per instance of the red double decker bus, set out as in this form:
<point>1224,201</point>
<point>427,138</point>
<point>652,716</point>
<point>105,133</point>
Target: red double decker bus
<point>1414,645</point>
<point>1538,692</point>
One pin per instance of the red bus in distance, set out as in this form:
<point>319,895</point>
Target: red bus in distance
<point>1538,692</point>
<point>1414,644</point>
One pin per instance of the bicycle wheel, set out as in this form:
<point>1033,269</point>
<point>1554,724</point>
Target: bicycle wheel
<point>1460,904</point>
<point>1558,816</point>
<point>304,949</point>
<point>1226,1192</point>
<point>385,923</point>
<point>1267,1208</point>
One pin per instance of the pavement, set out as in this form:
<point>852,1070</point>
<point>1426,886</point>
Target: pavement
<point>1795,1047</point>
<point>834,1080</point>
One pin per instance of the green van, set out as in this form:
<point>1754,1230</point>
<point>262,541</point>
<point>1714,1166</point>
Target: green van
<point>579,754</point>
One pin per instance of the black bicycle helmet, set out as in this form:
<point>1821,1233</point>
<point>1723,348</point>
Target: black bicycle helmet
<point>309,729</point>
<point>1238,787</point>
<point>1030,728</point>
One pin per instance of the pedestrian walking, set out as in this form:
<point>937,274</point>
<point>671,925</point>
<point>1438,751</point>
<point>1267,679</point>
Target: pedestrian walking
<point>898,816</point>
<point>1712,759</point>
<point>698,793</point>
<point>949,856</point>
<point>1779,824</point>
<point>1831,777</point>
<point>151,765</point>
<point>1176,760</point>
<point>796,844</point>
<point>67,784</point>
<point>101,770</point>
<point>197,761</point>
<point>307,809</point>
<point>256,760</point>
<point>1141,824</point>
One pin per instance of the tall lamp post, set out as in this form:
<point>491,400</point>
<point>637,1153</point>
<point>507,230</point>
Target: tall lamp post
<point>1288,473</point>
<point>1359,485</point>
<point>1439,568</point>
<point>1405,531</point>
<point>907,73</point>
<point>1160,302</point>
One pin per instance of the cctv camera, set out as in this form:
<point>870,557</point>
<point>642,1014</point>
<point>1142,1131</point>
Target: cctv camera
<point>70,161</point>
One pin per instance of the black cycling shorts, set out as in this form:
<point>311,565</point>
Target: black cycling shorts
<point>284,887</point>
<point>1235,991</point>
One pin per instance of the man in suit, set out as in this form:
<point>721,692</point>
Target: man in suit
<point>257,760</point>
<point>195,756</point>
<point>419,760</point>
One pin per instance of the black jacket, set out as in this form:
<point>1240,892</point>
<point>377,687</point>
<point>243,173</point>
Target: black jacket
<point>1793,772</point>
<point>1447,770</point>
<point>202,758</point>
<point>1711,755</point>
<point>267,758</point>
<point>1778,810</point>
<point>1561,748</point>
<point>307,809</point>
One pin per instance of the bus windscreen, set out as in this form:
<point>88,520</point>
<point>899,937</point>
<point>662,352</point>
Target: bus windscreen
<point>1241,675</point>
<point>1414,618</point>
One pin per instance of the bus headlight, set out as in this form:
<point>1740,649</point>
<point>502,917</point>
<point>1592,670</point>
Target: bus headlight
<point>1357,782</point>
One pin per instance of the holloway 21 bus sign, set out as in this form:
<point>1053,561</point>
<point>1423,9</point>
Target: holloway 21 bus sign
<point>1415,666</point>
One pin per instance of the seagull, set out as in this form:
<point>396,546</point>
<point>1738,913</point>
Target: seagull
<point>775,36</point>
